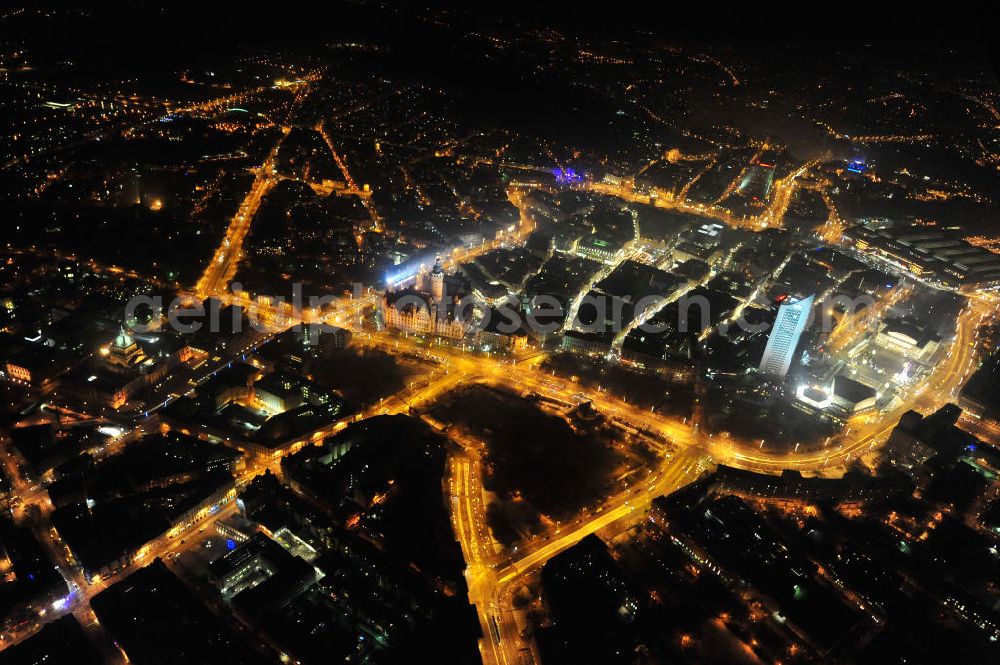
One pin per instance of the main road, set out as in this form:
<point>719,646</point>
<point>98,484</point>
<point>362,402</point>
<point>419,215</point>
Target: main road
<point>226,259</point>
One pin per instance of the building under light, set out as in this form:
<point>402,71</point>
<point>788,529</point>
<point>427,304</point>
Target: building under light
<point>788,327</point>
<point>842,394</point>
<point>427,310</point>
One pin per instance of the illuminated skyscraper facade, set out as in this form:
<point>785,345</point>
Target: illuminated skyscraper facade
<point>788,327</point>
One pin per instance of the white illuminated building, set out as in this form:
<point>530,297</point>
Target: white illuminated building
<point>788,327</point>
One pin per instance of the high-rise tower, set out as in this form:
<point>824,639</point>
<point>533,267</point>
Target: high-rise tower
<point>788,327</point>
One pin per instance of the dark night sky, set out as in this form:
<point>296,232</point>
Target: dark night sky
<point>149,32</point>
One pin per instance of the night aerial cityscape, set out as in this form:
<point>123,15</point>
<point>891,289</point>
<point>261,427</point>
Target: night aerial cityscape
<point>378,332</point>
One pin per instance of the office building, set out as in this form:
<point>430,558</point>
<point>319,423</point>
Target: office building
<point>788,327</point>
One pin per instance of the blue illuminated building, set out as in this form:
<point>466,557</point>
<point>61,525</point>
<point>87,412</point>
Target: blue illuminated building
<point>567,176</point>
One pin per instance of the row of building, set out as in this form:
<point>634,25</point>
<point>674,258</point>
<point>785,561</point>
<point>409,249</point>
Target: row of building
<point>928,254</point>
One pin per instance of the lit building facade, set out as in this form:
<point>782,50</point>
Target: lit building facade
<point>423,321</point>
<point>784,338</point>
<point>907,340</point>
